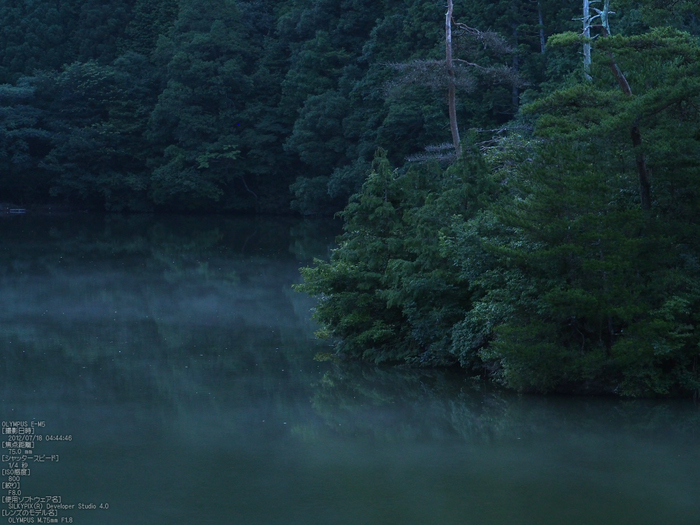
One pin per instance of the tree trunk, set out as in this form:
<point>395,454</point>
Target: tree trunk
<point>586,45</point>
<point>642,171</point>
<point>451,88</point>
<point>515,91</point>
<point>541,21</point>
<point>640,159</point>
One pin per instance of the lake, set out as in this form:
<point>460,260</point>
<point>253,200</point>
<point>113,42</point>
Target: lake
<point>160,370</point>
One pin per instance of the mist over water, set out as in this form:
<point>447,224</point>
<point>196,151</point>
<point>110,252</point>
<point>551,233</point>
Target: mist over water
<point>178,358</point>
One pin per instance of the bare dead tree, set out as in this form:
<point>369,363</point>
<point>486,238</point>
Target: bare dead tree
<point>451,89</point>
<point>540,19</point>
<point>490,40</point>
<point>454,74</point>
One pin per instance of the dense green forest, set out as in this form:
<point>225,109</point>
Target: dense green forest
<point>135,105</point>
<point>520,199</point>
<point>560,252</point>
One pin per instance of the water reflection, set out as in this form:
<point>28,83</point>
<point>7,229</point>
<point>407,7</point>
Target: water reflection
<point>176,354</point>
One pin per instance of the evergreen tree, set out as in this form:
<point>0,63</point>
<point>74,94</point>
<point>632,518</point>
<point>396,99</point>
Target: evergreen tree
<point>390,293</point>
<point>197,120</point>
<point>586,288</point>
<point>96,115</point>
<point>24,141</point>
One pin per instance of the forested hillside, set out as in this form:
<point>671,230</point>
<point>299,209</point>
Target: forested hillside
<point>520,180</point>
<point>221,106</point>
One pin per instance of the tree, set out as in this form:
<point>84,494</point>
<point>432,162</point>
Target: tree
<point>489,39</point>
<point>451,87</point>
<point>24,141</point>
<point>602,17</point>
<point>97,116</point>
<point>390,293</point>
<point>584,288</point>
<point>659,46</point>
<point>197,120</point>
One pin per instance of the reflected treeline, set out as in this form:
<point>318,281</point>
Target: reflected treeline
<point>398,404</point>
<point>153,307</point>
<point>37,241</point>
<point>198,311</point>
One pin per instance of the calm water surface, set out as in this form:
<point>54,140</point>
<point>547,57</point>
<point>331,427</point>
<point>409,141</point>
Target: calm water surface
<point>175,354</point>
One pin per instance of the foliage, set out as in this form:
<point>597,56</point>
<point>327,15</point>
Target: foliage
<point>583,277</point>
<point>561,280</point>
<point>560,252</point>
<point>301,90</point>
<point>389,292</point>
<point>582,288</point>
